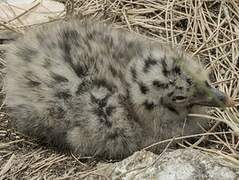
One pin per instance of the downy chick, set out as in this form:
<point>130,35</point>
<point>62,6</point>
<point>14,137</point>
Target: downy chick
<point>98,91</point>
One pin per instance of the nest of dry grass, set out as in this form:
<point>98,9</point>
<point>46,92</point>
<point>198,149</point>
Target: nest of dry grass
<point>208,29</point>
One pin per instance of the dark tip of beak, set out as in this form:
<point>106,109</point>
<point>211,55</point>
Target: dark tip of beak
<point>229,102</point>
<point>221,99</point>
<point>210,96</point>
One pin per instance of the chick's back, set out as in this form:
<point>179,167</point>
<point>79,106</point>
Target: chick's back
<point>52,72</point>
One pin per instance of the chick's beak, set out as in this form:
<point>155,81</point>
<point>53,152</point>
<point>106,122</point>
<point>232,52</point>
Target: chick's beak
<point>215,98</point>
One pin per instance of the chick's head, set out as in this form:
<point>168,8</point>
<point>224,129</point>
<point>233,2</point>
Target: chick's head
<point>171,78</point>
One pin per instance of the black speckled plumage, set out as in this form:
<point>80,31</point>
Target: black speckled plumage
<point>98,91</point>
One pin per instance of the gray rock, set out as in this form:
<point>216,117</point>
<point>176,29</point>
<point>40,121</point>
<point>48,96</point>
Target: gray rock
<point>181,164</point>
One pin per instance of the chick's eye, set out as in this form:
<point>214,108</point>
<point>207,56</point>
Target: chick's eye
<point>180,99</point>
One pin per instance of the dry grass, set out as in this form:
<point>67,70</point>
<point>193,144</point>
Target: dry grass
<point>208,29</point>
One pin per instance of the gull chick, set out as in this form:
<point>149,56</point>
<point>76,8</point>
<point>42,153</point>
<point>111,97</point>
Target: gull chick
<point>103,92</point>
